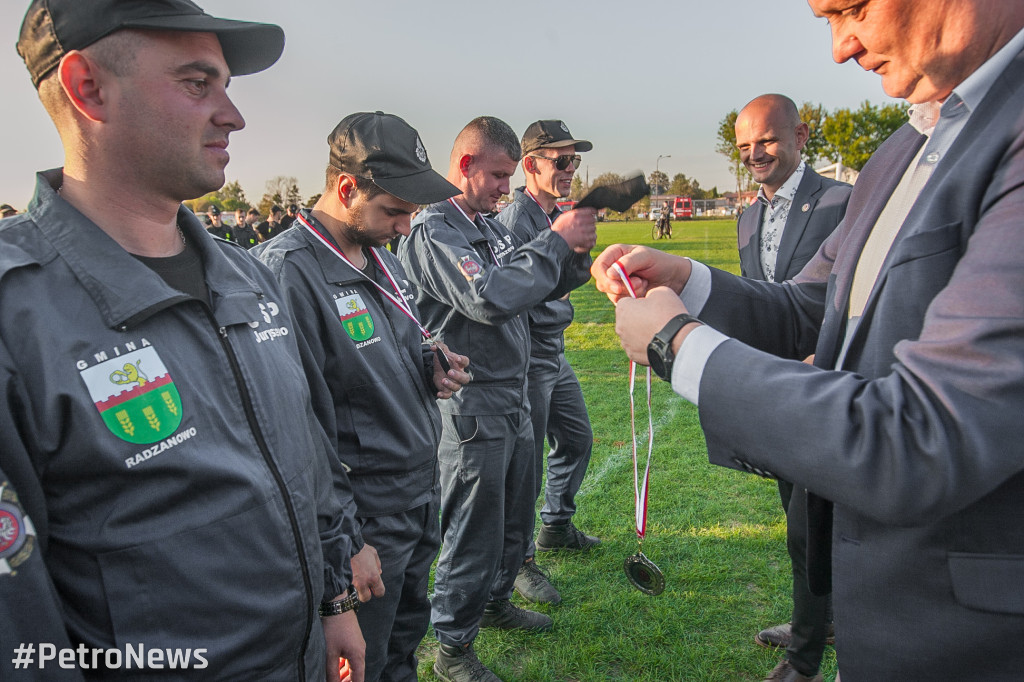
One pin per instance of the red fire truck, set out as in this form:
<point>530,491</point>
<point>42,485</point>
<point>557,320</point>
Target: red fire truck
<point>682,207</point>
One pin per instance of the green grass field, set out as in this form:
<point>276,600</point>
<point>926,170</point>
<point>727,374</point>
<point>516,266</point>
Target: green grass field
<point>717,535</point>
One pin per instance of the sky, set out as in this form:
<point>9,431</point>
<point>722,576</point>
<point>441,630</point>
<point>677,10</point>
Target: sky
<point>638,79</point>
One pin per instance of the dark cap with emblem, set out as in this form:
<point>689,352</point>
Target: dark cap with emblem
<point>213,210</point>
<point>551,133</point>
<point>52,28</point>
<point>384,148</point>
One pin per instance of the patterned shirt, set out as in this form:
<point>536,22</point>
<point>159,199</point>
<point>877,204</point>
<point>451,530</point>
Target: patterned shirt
<point>776,212</point>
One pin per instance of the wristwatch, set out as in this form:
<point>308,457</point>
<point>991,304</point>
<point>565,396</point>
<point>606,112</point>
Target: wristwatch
<point>340,606</point>
<point>659,350</point>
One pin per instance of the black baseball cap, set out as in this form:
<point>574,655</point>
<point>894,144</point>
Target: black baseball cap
<point>52,28</point>
<point>384,148</point>
<point>213,210</point>
<point>551,133</point>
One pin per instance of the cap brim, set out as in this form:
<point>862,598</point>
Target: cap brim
<point>581,145</point>
<point>248,47</point>
<point>425,187</point>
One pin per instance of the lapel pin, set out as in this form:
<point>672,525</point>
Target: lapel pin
<point>805,208</point>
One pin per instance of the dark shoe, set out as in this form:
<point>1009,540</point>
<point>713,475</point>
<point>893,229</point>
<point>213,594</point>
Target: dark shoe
<point>778,636</point>
<point>505,615</point>
<point>460,664</point>
<point>785,672</point>
<point>563,536</point>
<point>533,585</point>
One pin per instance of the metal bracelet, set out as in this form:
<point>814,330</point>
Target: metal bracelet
<point>340,606</point>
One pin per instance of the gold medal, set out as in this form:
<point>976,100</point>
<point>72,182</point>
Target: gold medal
<point>644,575</point>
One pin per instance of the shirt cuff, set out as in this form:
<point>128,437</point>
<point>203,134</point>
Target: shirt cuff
<point>698,288</point>
<point>688,367</point>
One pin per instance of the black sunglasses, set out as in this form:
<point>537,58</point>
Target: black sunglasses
<point>562,162</point>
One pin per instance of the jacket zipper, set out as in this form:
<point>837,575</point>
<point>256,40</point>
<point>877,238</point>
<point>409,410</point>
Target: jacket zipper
<point>404,361</point>
<point>250,416</point>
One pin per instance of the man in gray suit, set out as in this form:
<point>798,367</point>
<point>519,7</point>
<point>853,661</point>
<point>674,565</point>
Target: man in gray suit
<point>796,209</point>
<point>909,422</point>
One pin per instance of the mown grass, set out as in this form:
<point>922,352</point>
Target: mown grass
<point>717,535</point>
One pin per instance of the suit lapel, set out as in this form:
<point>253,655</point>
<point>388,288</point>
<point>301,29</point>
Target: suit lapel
<point>872,191</point>
<point>757,209</point>
<point>962,149</point>
<point>806,195</point>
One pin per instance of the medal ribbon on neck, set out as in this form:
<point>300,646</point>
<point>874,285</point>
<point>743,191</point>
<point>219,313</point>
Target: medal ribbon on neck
<point>546,216</point>
<point>639,491</point>
<point>395,298</point>
<point>494,257</point>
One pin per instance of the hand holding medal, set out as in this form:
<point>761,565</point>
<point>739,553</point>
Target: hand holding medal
<point>641,571</point>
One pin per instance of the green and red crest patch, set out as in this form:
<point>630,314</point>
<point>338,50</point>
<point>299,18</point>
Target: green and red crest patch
<point>135,396</point>
<point>355,317</point>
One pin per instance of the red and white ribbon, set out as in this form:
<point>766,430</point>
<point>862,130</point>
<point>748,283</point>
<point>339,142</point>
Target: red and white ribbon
<point>639,490</point>
<point>494,257</point>
<point>395,297</point>
<point>546,216</point>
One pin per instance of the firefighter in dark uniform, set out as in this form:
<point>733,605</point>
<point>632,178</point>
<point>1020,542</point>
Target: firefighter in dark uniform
<point>475,283</point>
<point>557,409</point>
<point>355,315</point>
<point>217,227</point>
<point>163,482</point>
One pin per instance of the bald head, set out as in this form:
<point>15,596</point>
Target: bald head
<point>770,136</point>
<point>782,108</point>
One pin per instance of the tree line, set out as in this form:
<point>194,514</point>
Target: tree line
<point>281,190</point>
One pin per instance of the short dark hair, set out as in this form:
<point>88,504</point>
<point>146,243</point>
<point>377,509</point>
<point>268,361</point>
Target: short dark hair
<point>498,134</point>
<point>253,211</point>
<point>366,186</point>
<point>276,209</point>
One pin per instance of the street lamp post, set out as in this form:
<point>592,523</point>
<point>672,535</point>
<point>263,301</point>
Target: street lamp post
<point>656,172</point>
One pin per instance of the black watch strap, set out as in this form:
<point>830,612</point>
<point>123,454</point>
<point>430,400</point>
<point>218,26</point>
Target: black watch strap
<point>659,351</point>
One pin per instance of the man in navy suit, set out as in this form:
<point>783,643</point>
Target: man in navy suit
<point>907,430</point>
<point>796,209</point>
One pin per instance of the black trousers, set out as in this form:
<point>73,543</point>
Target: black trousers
<point>393,625</point>
<point>811,613</point>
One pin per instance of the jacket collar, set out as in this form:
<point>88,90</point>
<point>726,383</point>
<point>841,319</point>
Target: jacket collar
<point>454,217</point>
<point>126,291</point>
<point>334,269</point>
<point>532,208</point>
<point>804,198</point>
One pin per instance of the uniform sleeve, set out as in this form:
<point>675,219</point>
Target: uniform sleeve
<point>30,608</point>
<point>575,270</point>
<point>446,267</point>
<point>340,536</point>
<point>575,273</point>
<point>340,533</point>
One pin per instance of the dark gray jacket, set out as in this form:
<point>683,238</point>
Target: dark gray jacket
<point>477,307</point>
<point>379,409</point>
<point>548,320</point>
<point>174,480</point>
<point>919,441</point>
